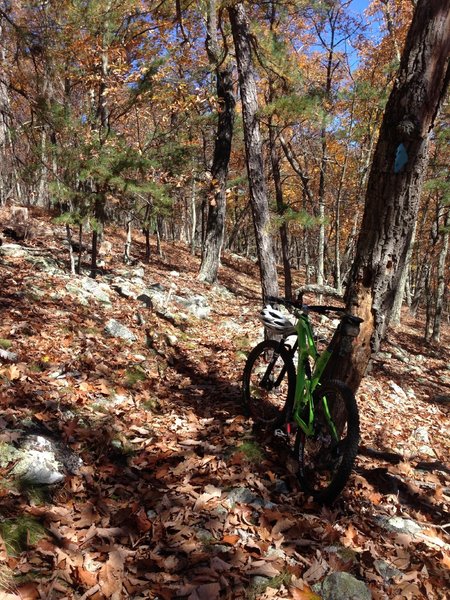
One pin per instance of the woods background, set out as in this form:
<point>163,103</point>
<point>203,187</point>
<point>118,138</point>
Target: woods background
<point>124,112</point>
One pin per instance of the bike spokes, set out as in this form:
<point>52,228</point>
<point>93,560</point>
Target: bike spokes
<point>327,456</point>
<point>268,386</point>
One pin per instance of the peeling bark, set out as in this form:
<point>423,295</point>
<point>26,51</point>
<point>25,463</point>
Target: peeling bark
<point>215,226</point>
<point>253,150</point>
<point>394,188</point>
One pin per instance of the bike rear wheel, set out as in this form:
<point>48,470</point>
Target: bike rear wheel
<point>268,384</point>
<point>325,463</point>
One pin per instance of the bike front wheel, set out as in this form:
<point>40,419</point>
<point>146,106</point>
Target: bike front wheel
<point>326,458</point>
<point>268,384</point>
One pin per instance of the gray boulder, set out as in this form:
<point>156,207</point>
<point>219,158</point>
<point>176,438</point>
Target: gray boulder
<point>39,460</point>
<point>117,330</point>
<point>343,586</point>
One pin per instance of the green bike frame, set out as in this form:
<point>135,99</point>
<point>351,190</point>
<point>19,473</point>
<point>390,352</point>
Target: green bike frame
<point>305,384</point>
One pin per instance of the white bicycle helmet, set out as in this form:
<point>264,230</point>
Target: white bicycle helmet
<point>275,321</point>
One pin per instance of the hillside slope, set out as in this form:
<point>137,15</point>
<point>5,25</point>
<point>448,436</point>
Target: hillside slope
<point>177,497</point>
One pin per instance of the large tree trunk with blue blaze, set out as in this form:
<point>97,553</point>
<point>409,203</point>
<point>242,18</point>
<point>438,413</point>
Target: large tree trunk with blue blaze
<point>395,180</point>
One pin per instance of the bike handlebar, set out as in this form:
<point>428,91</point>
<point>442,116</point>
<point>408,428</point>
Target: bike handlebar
<point>319,309</point>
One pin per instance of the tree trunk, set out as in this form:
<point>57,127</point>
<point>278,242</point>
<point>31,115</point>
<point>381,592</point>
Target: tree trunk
<point>80,247</point>
<point>4,111</point>
<point>215,226</point>
<point>71,255</point>
<point>440,292</point>
<point>283,229</point>
<point>97,231</point>
<point>400,292</point>
<point>396,176</point>
<point>127,247</point>
<point>193,214</point>
<point>253,151</point>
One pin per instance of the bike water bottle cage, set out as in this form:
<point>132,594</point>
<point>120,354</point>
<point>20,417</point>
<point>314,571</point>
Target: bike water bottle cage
<point>275,321</point>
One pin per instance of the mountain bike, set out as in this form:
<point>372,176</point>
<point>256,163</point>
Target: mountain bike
<point>314,413</point>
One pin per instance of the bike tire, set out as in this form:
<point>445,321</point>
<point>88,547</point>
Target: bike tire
<point>267,403</point>
<point>324,465</point>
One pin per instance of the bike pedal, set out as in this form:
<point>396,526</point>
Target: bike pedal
<point>280,433</point>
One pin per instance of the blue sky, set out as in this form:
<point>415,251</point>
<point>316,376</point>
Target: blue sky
<point>360,5</point>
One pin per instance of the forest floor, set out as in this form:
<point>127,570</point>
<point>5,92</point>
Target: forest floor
<point>177,496</point>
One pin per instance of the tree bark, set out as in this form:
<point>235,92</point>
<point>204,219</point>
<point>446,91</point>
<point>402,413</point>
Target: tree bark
<point>253,150</point>
<point>215,226</point>
<point>396,177</point>
<point>400,292</point>
<point>283,229</point>
<point>440,292</point>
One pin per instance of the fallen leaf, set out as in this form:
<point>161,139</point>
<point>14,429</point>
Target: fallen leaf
<point>305,594</point>
<point>143,522</point>
<point>12,372</point>
<point>230,539</point>
<point>28,591</point>
<point>86,578</point>
<point>208,591</point>
<point>111,574</point>
<point>261,567</point>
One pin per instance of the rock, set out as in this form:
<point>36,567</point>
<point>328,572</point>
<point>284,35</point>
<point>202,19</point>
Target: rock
<point>197,305</point>
<point>427,451</point>
<point>400,525</point>
<point>86,288</point>
<point>223,291</point>
<point>102,402</point>
<point>243,495</point>
<point>346,556</point>
<point>138,274</point>
<point>382,356</point>
<point>421,434</point>
<point>39,468</point>
<point>124,289</point>
<point>343,586</point>
<point>172,340</point>
<point>387,571</point>
<point>46,264</point>
<point>259,582</point>
<point>280,487</point>
<point>117,330</point>
<point>154,296</point>
<point>13,250</point>
<point>8,356</point>
<point>98,290</point>
<point>64,455</point>
<point>398,390</point>
<point>39,460</point>
<point>8,454</point>
<point>413,369</point>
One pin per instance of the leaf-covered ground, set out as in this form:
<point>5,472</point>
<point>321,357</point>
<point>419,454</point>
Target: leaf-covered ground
<point>177,497</point>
